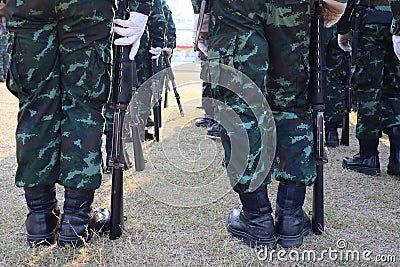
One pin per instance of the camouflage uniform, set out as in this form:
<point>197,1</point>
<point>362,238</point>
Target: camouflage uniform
<point>395,7</point>
<point>256,43</point>
<point>60,71</point>
<point>170,30</point>
<point>376,76</point>
<point>269,42</point>
<point>4,55</point>
<point>335,77</point>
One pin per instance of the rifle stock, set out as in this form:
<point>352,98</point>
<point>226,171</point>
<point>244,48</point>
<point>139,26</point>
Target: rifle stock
<point>317,87</point>
<point>135,124</point>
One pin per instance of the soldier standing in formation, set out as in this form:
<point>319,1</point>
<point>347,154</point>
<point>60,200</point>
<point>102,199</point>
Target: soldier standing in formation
<point>60,72</point>
<point>367,34</point>
<point>260,39</point>
<point>336,72</point>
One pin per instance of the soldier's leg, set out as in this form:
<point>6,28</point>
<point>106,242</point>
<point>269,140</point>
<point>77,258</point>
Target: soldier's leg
<point>333,114</point>
<point>38,130</point>
<point>245,49</point>
<point>368,82</point>
<point>391,106</point>
<point>143,67</point>
<point>287,83</point>
<point>85,60</point>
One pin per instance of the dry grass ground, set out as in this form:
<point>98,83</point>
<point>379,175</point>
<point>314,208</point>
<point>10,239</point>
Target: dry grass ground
<point>184,170</point>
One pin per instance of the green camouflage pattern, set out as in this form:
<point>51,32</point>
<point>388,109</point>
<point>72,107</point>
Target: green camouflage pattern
<point>141,6</point>
<point>335,75</point>
<point>376,77</point>
<point>170,29</point>
<point>60,72</point>
<point>269,42</point>
<point>4,54</point>
<point>395,8</point>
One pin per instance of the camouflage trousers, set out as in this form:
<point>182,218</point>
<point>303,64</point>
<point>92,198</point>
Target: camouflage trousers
<point>376,78</point>
<point>4,54</point>
<point>262,40</point>
<point>335,76</point>
<point>60,72</point>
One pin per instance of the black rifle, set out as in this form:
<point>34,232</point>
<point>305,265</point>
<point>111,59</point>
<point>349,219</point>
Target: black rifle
<point>199,24</point>
<point>347,101</point>
<point>171,77</point>
<point>123,88</point>
<point>157,90</point>
<point>167,89</point>
<point>317,87</point>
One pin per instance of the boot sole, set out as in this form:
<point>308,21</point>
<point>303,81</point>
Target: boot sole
<point>74,241</point>
<point>41,240</point>
<point>250,240</point>
<point>293,241</point>
<point>364,170</point>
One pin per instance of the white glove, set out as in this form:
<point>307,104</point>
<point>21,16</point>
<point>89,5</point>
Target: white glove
<point>155,51</point>
<point>203,30</point>
<point>396,45</point>
<point>332,11</point>
<point>203,46</point>
<point>131,31</point>
<point>168,51</point>
<point>345,41</point>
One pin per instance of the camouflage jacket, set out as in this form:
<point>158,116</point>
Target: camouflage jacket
<point>170,30</point>
<point>395,7</point>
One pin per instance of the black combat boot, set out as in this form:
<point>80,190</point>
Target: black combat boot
<point>43,218</point>
<point>149,122</point>
<point>109,136</point>
<point>393,167</point>
<point>367,161</point>
<point>80,220</point>
<point>214,131</point>
<point>291,222</point>
<point>204,122</point>
<point>253,223</point>
<point>331,134</point>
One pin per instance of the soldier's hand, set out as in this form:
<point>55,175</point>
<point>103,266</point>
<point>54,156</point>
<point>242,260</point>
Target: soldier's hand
<point>155,51</point>
<point>332,11</point>
<point>345,41</point>
<point>396,45</point>
<point>168,51</point>
<point>203,46</point>
<point>131,31</point>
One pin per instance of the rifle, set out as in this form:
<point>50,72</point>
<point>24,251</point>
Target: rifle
<point>347,100</point>
<point>167,89</point>
<point>123,82</point>
<point>171,77</point>
<point>157,98</point>
<point>199,24</point>
<point>317,87</point>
